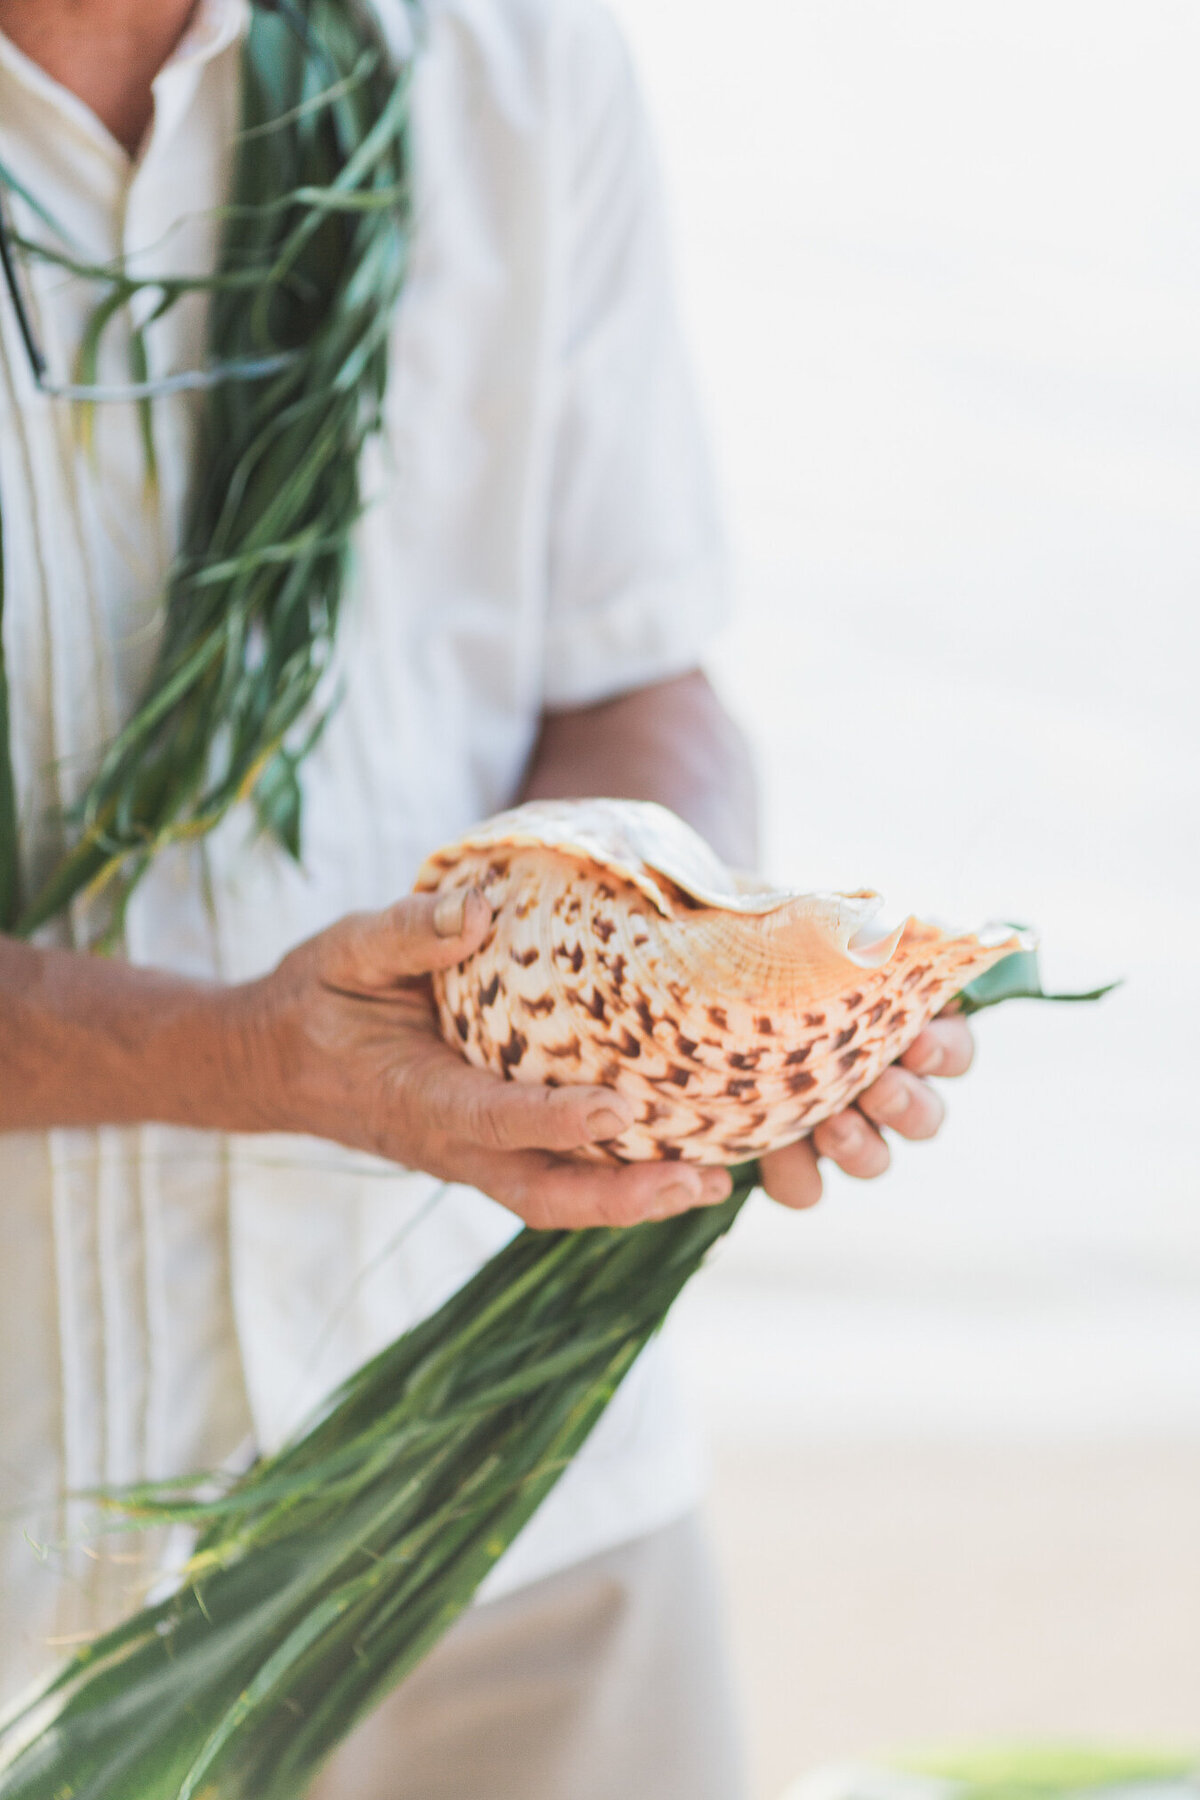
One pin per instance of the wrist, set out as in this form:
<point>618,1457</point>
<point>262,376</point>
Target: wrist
<point>224,1069</point>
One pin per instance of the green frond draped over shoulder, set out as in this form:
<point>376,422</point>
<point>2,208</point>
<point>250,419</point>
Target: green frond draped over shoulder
<point>312,262</point>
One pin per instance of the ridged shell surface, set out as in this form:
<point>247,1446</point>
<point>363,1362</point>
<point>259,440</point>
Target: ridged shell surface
<point>735,1016</point>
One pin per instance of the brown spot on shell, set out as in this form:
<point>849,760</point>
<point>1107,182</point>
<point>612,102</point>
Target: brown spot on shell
<point>573,1048</point>
<point>795,1057</point>
<point>686,1046</point>
<point>645,1016</point>
<point>597,1008</point>
<point>814,1018</point>
<point>744,1059</point>
<point>603,928</point>
<point>541,1008</point>
<point>850,1001</point>
<point>718,1016</point>
<point>617,971</point>
<point>462,1025</point>
<point>764,1027</point>
<point>851,1057</point>
<point>844,1037</point>
<point>680,1077</point>
<point>525,958</point>
<point>740,1086</point>
<point>512,1052</point>
<point>800,1081</point>
<point>574,956</point>
<point>488,994</point>
<point>877,1011</point>
<point>917,973</point>
<point>629,1045</point>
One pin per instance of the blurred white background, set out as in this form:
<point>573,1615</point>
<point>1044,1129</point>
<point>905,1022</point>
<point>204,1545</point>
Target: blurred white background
<point>940,268</point>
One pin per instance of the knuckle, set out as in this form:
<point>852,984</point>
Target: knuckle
<point>888,1098</point>
<point>489,1126</point>
<point>336,948</point>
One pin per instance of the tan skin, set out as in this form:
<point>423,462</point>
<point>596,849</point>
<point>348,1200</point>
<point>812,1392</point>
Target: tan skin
<point>105,51</point>
<point>340,1041</point>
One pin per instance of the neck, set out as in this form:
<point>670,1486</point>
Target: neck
<point>105,51</point>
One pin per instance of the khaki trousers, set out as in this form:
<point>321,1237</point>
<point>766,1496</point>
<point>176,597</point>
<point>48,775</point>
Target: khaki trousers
<point>606,1682</point>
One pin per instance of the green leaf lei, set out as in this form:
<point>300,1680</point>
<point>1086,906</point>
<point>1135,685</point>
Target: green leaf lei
<point>311,266</point>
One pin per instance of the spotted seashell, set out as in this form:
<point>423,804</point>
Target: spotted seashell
<point>734,1015</point>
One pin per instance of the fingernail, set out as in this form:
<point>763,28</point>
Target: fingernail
<point>676,1197</point>
<point>716,1185</point>
<point>928,1060</point>
<point>606,1123</point>
<point>894,1102</point>
<point>450,913</point>
<point>844,1131</point>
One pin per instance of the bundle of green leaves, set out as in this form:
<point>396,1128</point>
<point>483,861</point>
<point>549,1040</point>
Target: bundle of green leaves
<point>325,1574</point>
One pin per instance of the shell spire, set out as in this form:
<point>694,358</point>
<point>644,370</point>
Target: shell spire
<point>735,1015</point>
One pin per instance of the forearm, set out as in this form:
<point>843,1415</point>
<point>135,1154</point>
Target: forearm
<point>85,1040</point>
<point>672,742</point>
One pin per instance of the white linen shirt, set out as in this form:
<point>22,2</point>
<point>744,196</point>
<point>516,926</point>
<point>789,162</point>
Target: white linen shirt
<point>541,532</point>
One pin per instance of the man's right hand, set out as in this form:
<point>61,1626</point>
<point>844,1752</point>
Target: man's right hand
<point>342,1041</point>
<point>339,1042</point>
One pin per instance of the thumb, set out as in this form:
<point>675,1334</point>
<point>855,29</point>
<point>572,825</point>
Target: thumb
<point>374,952</point>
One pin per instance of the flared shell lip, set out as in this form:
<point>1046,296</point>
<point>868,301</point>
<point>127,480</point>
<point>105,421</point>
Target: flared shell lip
<point>638,840</point>
<point>645,844</point>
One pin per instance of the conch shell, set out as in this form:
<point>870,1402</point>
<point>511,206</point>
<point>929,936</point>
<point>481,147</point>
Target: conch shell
<point>736,1016</point>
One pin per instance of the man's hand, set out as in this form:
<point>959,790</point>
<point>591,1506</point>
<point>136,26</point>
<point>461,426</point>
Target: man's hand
<point>342,1041</point>
<point>901,1099</point>
<point>674,742</point>
<point>348,1043</point>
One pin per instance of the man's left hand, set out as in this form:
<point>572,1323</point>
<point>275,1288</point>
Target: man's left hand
<point>901,1099</point>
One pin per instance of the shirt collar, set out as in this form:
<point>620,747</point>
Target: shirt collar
<point>36,96</point>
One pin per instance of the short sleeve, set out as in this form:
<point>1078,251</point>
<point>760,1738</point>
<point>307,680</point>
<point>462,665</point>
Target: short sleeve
<point>637,566</point>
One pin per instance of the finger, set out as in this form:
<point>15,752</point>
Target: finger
<point>945,1047</point>
<point>476,1107</point>
<point>372,952</point>
<point>904,1102</point>
<point>853,1144</point>
<point>792,1176</point>
<point>551,1195</point>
